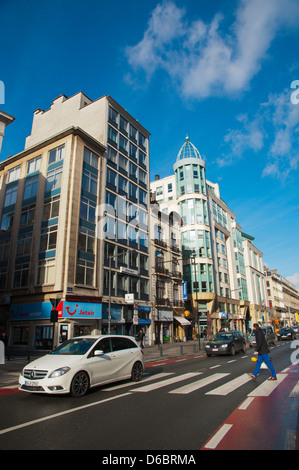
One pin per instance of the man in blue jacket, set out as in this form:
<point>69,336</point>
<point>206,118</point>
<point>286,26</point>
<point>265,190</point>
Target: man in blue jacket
<point>262,351</point>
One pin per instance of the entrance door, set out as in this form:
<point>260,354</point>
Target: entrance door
<point>63,333</point>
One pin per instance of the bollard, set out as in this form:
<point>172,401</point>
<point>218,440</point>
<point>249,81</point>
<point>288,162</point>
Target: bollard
<point>182,350</point>
<point>161,352</point>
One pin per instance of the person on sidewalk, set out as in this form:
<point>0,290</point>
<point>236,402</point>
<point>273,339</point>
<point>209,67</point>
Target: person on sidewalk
<point>262,351</point>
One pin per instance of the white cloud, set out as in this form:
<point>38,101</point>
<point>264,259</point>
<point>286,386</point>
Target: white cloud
<point>274,129</point>
<point>294,279</point>
<point>249,138</point>
<point>202,58</point>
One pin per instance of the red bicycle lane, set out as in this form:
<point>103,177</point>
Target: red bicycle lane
<point>263,422</point>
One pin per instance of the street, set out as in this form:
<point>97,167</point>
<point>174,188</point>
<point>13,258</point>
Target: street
<point>191,404</point>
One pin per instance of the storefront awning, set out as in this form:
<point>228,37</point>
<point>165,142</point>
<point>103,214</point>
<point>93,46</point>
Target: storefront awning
<point>183,321</point>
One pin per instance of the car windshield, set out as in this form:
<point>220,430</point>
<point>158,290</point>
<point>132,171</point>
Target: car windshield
<point>285,330</point>
<point>222,337</point>
<point>75,346</point>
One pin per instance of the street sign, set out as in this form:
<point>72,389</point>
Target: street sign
<point>129,298</point>
<point>55,302</point>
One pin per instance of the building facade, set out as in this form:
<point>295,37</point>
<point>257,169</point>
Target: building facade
<point>74,225</point>
<point>283,299</point>
<point>169,322</point>
<point>226,289</point>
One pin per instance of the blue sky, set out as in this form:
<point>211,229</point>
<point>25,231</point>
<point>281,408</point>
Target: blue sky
<point>220,72</point>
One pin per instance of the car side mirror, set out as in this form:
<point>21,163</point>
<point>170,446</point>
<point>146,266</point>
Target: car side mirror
<point>98,352</point>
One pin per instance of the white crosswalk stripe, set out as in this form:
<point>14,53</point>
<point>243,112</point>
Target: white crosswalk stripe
<point>295,392</point>
<point>267,387</point>
<point>230,386</point>
<point>164,383</point>
<point>199,384</point>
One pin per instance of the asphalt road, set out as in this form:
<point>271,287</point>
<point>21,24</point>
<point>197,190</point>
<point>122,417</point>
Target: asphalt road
<point>178,406</point>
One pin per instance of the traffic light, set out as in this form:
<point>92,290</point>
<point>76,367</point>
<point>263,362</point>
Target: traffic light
<point>54,316</point>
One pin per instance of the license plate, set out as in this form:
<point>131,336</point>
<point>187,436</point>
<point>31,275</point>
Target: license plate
<point>29,383</point>
<point>214,349</point>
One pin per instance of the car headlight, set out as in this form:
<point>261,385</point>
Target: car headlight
<point>223,346</point>
<point>59,372</point>
<point>208,346</point>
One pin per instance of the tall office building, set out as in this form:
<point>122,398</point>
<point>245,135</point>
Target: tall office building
<point>74,224</point>
<point>213,246</point>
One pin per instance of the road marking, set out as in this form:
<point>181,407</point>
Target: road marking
<point>214,367</point>
<point>129,384</point>
<point>233,360</point>
<point>164,383</point>
<point>62,413</point>
<point>295,392</point>
<point>246,403</point>
<point>199,384</point>
<point>214,441</point>
<point>230,386</point>
<point>266,387</point>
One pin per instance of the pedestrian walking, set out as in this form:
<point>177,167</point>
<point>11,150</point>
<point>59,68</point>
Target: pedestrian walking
<point>140,338</point>
<point>262,351</point>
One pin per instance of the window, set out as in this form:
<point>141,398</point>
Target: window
<point>133,133</point>
<point>85,272</point>
<point>133,190</point>
<point>46,272</point>
<point>123,144</point>
<point>11,195</point>
<point>31,185</point>
<point>111,177</point>
<point>33,165</point>
<point>113,115</point>
<point>56,154</point>
<point>133,151</point>
<point>14,174</point>
<point>142,197</point>
<point>112,135</point>
<point>170,188</point>
<point>54,179</point>
<point>88,210</point>
<point>7,221</point>
<point>48,238</point>
<point>133,171</point>
<point>122,184</point>
<point>91,158</point>
<point>86,240</point>
<point>24,244</point>
<point>142,141</point>
<point>21,273</point>
<point>4,249</point>
<point>89,182</point>
<point>111,155</point>
<point>51,208</point>
<point>121,231</point>
<point>123,125</point>
<point>142,158</point>
<point>123,163</point>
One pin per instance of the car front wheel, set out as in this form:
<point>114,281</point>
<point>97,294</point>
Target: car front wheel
<point>80,384</point>
<point>137,372</point>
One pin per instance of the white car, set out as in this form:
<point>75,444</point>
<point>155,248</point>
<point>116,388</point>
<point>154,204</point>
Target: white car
<point>84,362</point>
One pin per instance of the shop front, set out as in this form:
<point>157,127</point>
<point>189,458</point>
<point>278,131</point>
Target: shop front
<point>30,325</point>
<point>163,326</point>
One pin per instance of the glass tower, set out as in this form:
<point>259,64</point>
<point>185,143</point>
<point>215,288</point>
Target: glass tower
<point>191,189</point>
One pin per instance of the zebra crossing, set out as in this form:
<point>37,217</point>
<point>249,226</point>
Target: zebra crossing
<point>196,381</point>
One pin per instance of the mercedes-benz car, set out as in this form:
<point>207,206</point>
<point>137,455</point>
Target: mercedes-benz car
<point>84,362</point>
